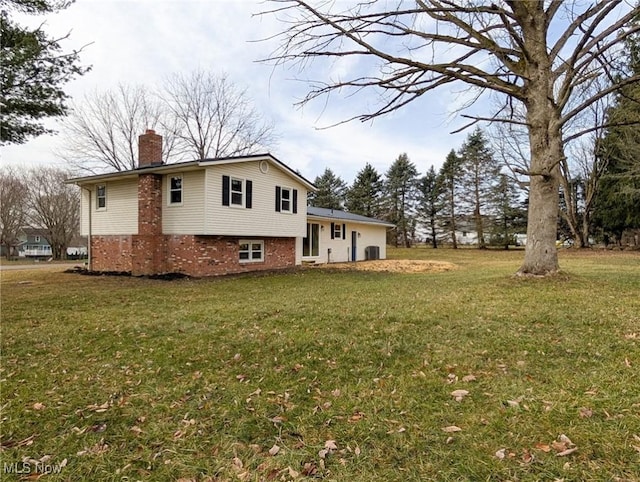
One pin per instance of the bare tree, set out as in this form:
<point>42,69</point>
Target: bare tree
<point>54,206</point>
<point>214,117</point>
<point>13,194</point>
<point>101,133</point>
<point>535,55</point>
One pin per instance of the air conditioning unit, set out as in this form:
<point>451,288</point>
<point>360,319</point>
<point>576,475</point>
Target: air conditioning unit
<point>372,252</point>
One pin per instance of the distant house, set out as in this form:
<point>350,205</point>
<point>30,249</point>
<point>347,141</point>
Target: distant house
<point>33,243</point>
<point>210,217</point>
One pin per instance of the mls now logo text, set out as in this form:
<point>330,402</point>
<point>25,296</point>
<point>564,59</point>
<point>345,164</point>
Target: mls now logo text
<point>31,467</point>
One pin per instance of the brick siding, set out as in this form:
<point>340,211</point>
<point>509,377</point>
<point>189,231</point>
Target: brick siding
<point>197,256</point>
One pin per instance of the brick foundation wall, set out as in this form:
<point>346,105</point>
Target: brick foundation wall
<point>111,253</point>
<point>197,256</point>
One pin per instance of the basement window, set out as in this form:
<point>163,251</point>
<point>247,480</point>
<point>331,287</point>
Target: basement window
<point>175,190</point>
<point>251,251</point>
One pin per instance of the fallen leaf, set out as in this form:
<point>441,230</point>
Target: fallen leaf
<point>451,429</point>
<point>323,453</point>
<point>330,445</point>
<point>38,406</point>
<point>501,454</point>
<point>459,394</point>
<point>585,412</point>
<point>357,451</point>
<point>544,447</point>
<point>566,452</point>
<point>566,440</point>
<point>274,450</point>
<point>469,378</point>
<point>292,473</point>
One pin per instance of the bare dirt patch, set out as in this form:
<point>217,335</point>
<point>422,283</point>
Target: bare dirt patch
<point>395,266</point>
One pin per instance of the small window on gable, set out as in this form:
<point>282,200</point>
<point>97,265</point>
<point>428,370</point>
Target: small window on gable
<point>175,190</point>
<point>101,196</point>
<point>37,239</point>
<point>251,251</point>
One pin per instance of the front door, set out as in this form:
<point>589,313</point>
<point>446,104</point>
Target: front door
<point>354,247</point>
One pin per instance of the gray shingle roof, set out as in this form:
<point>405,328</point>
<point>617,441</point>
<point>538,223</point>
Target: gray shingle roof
<point>344,216</point>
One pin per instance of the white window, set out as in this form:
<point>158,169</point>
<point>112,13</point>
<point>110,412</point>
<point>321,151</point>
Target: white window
<point>37,239</point>
<point>285,200</point>
<point>175,190</point>
<point>337,230</point>
<point>101,196</point>
<point>236,192</point>
<point>251,251</point>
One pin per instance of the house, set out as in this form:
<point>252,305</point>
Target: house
<point>209,217</point>
<point>339,236</point>
<point>33,243</point>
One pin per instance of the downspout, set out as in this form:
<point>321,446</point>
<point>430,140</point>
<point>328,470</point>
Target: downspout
<point>89,232</point>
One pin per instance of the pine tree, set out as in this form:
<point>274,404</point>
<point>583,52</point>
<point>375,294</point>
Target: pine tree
<point>449,180</point>
<point>400,195</point>
<point>509,215</point>
<point>364,196</point>
<point>430,205</point>
<point>330,191</point>
<point>479,174</point>
<point>618,197</point>
<point>33,69</point>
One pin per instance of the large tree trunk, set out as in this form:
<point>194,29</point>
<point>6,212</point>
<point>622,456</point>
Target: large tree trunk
<point>541,254</point>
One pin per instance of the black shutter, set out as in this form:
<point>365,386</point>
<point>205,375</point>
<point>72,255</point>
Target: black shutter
<point>248,199</point>
<point>226,190</point>
<point>332,227</point>
<point>295,201</point>
<point>344,231</point>
<point>278,197</point>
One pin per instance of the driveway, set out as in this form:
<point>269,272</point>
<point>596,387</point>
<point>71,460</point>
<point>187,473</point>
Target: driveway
<point>57,266</point>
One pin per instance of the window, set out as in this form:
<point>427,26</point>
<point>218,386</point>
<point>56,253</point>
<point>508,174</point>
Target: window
<point>338,231</point>
<point>101,196</point>
<point>236,192</point>
<point>175,190</point>
<point>251,251</point>
<point>37,239</point>
<point>286,200</point>
<point>311,244</point>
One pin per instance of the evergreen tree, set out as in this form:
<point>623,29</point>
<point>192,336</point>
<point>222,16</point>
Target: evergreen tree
<point>449,180</point>
<point>33,69</point>
<point>618,198</point>
<point>330,193</point>
<point>509,215</point>
<point>430,205</point>
<point>400,195</point>
<point>479,174</point>
<point>364,196</point>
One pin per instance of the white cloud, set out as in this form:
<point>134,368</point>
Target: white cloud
<point>143,41</point>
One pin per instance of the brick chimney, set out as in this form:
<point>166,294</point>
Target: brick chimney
<point>149,149</point>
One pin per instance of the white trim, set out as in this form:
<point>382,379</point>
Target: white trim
<point>242,192</point>
<point>98,197</point>
<point>250,251</point>
<point>170,190</point>
<point>290,190</point>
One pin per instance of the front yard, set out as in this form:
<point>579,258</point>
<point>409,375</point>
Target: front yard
<point>457,374</point>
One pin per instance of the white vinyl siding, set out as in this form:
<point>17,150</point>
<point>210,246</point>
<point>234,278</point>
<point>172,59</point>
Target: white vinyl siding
<point>121,213</point>
<point>262,219</point>
<point>188,216</point>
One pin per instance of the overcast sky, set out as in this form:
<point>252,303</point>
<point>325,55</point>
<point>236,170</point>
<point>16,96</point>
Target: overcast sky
<point>143,41</point>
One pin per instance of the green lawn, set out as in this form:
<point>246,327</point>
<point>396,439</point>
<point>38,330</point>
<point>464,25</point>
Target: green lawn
<point>326,374</point>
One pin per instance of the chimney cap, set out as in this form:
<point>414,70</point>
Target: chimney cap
<point>150,131</point>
